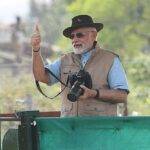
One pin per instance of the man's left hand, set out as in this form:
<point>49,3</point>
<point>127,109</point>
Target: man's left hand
<point>87,92</point>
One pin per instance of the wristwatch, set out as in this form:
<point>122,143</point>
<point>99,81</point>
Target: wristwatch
<point>36,50</point>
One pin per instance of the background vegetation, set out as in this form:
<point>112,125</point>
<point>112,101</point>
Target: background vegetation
<point>126,32</point>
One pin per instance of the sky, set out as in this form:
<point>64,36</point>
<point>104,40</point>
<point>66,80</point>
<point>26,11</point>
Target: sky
<point>11,8</point>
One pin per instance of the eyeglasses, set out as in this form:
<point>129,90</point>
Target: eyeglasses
<point>79,34</point>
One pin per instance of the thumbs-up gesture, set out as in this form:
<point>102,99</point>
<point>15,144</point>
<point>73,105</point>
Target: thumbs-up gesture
<point>36,39</point>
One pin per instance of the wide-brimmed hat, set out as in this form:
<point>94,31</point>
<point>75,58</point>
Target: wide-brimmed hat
<point>82,21</point>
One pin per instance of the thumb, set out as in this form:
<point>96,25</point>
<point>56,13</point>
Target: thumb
<point>83,87</point>
<point>36,28</point>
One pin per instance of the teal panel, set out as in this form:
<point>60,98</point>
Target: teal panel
<point>10,140</point>
<point>94,133</point>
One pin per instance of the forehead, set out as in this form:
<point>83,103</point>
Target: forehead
<point>83,29</point>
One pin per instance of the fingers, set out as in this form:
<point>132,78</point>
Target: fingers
<point>88,93</point>
<point>35,41</point>
<point>36,37</point>
<point>84,96</point>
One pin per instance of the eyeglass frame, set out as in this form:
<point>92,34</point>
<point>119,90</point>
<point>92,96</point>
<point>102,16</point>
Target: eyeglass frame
<point>79,34</point>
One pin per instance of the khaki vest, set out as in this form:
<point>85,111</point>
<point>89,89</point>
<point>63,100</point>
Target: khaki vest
<point>98,66</point>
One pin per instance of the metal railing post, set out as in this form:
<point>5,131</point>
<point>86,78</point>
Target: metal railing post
<point>0,136</point>
<point>27,134</point>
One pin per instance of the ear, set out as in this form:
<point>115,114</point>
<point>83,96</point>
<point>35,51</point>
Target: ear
<point>94,35</point>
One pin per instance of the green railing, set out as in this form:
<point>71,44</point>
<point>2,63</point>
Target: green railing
<point>20,138</point>
<point>82,133</point>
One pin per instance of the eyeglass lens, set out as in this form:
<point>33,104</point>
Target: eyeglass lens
<point>78,35</point>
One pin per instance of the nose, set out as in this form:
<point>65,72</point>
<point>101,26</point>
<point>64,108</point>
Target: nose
<point>75,39</point>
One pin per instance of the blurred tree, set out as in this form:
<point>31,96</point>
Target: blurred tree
<point>125,22</point>
<point>52,17</point>
<point>34,10</point>
<point>15,92</point>
<point>138,74</point>
<point>126,28</point>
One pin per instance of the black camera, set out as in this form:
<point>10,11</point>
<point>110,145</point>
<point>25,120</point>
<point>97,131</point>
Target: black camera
<point>75,80</point>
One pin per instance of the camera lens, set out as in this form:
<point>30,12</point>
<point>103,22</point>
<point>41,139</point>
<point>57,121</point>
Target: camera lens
<point>75,92</point>
<point>72,97</point>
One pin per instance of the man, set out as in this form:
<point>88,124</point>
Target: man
<point>109,84</point>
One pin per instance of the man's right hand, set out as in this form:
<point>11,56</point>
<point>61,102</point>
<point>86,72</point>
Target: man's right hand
<point>36,39</point>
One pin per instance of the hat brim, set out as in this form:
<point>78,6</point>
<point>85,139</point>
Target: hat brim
<point>67,32</point>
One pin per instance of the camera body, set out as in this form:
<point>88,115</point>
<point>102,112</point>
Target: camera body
<point>75,80</point>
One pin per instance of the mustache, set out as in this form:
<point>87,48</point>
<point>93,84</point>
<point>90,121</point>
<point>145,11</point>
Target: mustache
<point>77,45</point>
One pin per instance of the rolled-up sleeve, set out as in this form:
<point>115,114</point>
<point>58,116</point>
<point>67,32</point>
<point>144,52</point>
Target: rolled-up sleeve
<point>117,77</point>
<point>55,68</point>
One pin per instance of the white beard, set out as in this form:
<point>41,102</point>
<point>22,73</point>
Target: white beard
<point>79,50</point>
<point>82,49</point>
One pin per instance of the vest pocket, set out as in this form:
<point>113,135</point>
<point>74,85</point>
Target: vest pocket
<point>91,105</point>
<point>69,69</point>
<point>66,71</point>
<point>67,108</point>
<point>94,107</point>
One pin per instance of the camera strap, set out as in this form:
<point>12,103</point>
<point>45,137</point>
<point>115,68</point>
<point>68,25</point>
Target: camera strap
<point>40,90</point>
<point>65,84</point>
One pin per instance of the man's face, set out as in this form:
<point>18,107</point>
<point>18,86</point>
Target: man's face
<point>82,39</point>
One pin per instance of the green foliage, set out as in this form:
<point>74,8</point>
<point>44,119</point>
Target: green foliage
<point>139,69</point>
<point>139,80</point>
<point>52,17</point>
<point>126,30</point>
<point>15,91</point>
<point>125,22</point>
